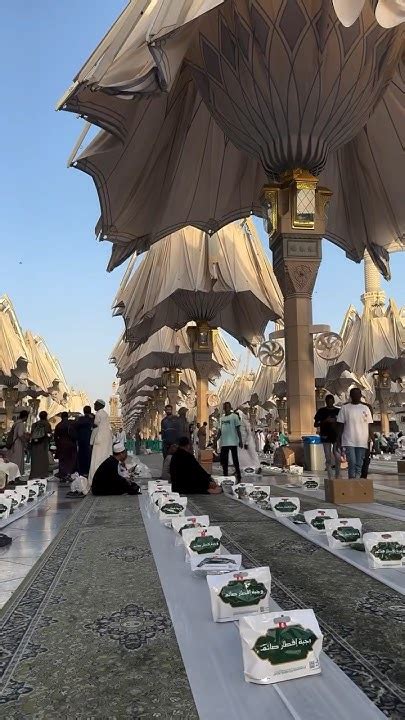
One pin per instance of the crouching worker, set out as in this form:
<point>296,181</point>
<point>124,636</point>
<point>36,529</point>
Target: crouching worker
<point>112,477</point>
<point>187,475</point>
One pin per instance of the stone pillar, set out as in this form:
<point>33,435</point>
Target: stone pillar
<point>154,418</point>
<point>296,271</point>
<point>382,384</point>
<point>34,407</point>
<point>320,395</point>
<point>10,396</point>
<point>295,214</point>
<point>282,414</point>
<point>171,379</point>
<point>201,396</point>
<point>160,399</point>
<point>202,346</point>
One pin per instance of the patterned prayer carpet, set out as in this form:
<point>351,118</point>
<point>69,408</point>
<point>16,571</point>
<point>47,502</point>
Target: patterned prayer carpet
<point>88,634</point>
<point>363,621</point>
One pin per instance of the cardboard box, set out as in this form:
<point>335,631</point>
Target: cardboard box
<point>204,455</point>
<point>342,492</point>
<point>284,457</point>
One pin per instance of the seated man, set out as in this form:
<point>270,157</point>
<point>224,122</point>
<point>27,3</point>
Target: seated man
<point>112,477</point>
<point>187,475</point>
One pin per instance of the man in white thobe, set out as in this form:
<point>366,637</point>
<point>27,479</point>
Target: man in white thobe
<point>101,438</point>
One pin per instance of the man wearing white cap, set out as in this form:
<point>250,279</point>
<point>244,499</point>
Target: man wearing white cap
<point>101,438</point>
<point>112,477</point>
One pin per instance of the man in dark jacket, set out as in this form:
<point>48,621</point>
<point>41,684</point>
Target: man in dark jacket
<point>187,475</point>
<point>112,477</point>
<point>84,427</point>
<point>170,430</point>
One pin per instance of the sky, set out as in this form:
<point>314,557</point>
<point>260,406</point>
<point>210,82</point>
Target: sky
<point>52,267</point>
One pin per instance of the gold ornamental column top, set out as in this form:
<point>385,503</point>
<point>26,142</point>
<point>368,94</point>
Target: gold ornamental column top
<point>295,204</point>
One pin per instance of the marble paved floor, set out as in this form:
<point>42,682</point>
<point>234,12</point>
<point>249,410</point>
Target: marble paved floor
<point>31,535</point>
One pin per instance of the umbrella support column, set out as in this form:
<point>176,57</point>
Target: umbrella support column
<point>295,214</point>
<point>202,346</point>
<point>382,384</point>
<point>171,379</point>
<point>201,398</point>
<point>10,396</point>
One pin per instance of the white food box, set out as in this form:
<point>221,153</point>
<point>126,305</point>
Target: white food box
<point>343,532</point>
<point>154,485</point>
<point>280,646</point>
<point>236,594</point>
<point>385,549</point>
<point>241,490</point>
<point>259,493</point>
<point>5,506</point>
<point>285,506</point>
<point>316,518</point>
<point>15,497</point>
<point>203,541</point>
<point>33,489</point>
<point>23,491</point>
<point>310,482</point>
<point>228,485</point>
<point>215,564</point>
<point>219,479</point>
<point>171,507</point>
<point>248,470</point>
<point>189,522</point>
<point>158,494</point>
<point>42,485</point>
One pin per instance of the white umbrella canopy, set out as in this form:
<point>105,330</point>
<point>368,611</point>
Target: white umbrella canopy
<point>12,341</point>
<point>43,368</point>
<point>237,391</point>
<point>148,380</point>
<point>217,105</point>
<point>225,280</point>
<point>265,378</point>
<point>169,348</point>
<point>369,337</point>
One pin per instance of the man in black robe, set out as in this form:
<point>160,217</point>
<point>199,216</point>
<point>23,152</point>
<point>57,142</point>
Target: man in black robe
<point>187,475</point>
<point>112,477</point>
<point>84,426</point>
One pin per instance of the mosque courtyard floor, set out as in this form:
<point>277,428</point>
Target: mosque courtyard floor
<point>103,620</point>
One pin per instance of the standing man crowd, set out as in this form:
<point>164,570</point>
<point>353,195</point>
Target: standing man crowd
<point>230,438</point>
<point>170,430</point>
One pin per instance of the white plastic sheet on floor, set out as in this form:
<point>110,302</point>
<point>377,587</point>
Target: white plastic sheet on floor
<point>392,577</point>
<point>212,654</point>
<point>25,509</point>
<point>374,508</point>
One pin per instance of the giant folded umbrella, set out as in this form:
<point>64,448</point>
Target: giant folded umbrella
<point>169,348</point>
<point>339,379</point>
<point>43,368</point>
<point>13,348</point>
<point>214,110</point>
<point>263,385</point>
<point>224,280</point>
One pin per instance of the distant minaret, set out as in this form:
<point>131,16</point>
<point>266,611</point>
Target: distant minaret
<point>115,408</point>
<point>373,295</point>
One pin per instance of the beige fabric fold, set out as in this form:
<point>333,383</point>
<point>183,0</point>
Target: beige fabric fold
<point>225,280</point>
<point>199,152</point>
